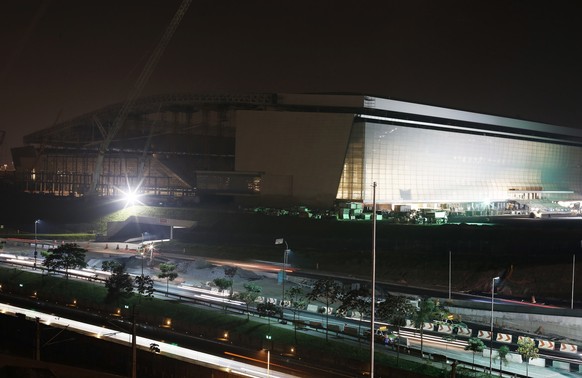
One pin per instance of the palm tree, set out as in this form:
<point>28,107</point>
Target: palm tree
<point>426,311</point>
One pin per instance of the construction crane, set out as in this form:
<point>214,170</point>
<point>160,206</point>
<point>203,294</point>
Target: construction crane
<point>135,93</point>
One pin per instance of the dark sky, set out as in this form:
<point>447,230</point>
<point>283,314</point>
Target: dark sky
<point>59,59</point>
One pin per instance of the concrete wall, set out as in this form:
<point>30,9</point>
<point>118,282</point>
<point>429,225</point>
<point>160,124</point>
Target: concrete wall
<point>562,322</point>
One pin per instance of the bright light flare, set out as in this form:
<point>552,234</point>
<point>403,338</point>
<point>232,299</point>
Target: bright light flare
<point>131,198</point>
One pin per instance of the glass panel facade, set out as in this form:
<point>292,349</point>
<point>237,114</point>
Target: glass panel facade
<point>413,165</point>
<point>352,177</point>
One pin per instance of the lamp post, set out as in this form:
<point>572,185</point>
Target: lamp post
<point>491,335</point>
<point>142,258</point>
<point>373,301</point>
<point>269,346</point>
<point>35,241</point>
<point>283,273</point>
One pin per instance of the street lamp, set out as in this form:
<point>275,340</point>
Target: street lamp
<point>142,258</point>
<point>35,241</point>
<point>283,273</point>
<point>491,335</point>
<point>268,337</point>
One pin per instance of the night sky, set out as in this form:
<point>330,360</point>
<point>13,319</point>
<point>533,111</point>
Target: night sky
<point>60,59</point>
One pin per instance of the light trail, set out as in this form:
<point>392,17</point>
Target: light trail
<point>168,350</point>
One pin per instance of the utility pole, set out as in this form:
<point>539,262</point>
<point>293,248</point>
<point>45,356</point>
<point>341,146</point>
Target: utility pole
<point>133,345</point>
<point>373,309</point>
<point>37,343</point>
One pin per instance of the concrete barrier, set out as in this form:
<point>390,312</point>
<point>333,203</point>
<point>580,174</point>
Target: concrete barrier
<point>316,325</point>
<point>312,308</point>
<point>326,310</point>
<point>554,321</point>
<point>504,338</point>
<point>461,331</point>
<point>561,365</point>
<point>352,331</point>
<point>445,328</point>
<point>300,323</point>
<point>486,335</point>
<point>334,328</point>
<point>514,358</point>
<point>546,344</point>
<point>568,348</point>
<point>538,362</point>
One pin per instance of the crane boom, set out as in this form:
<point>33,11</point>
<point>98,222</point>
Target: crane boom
<point>136,92</point>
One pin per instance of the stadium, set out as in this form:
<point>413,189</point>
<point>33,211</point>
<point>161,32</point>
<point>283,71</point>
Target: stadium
<point>314,150</point>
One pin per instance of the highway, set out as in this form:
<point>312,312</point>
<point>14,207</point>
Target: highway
<point>434,344</point>
<point>167,349</point>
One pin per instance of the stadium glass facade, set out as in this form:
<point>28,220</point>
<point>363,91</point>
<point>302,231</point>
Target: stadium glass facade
<point>428,167</point>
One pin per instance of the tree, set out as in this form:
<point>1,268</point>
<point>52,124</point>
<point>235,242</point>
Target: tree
<point>145,286</point>
<point>325,291</point>
<point>223,284</point>
<point>230,272</point>
<point>167,272</point>
<point>395,310</point>
<point>250,295</point>
<point>502,356</point>
<point>109,265</point>
<point>526,347</point>
<point>359,300</point>
<point>67,256</point>
<point>269,310</point>
<point>427,310</point>
<point>297,302</point>
<point>475,344</point>
<point>119,284</point>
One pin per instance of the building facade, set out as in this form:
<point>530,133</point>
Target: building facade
<point>314,150</point>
